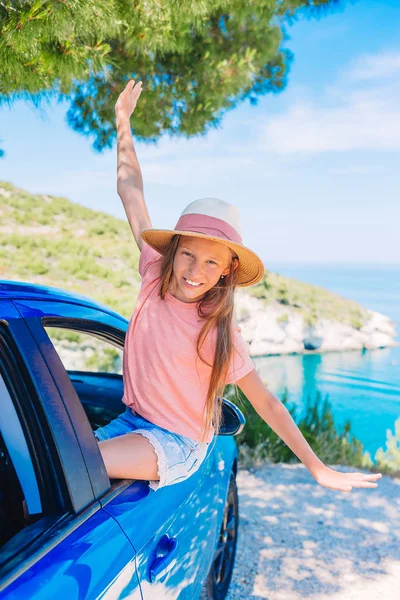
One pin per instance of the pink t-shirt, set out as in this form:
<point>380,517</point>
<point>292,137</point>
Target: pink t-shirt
<point>164,380</point>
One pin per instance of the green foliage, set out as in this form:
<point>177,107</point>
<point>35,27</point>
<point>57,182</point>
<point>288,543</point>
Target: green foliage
<point>105,360</point>
<point>102,267</point>
<point>388,460</point>
<point>48,42</point>
<point>263,289</point>
<point>357,319</point>
<point>283,293</point>
<point>57,333</point>
<point>38,267</point>
<point>258,442</point>
<point>84,352</point>
<point>283,318</point>
<point>311,301</point>
<point>310,318</point>
<point>196,59</point>
<point>258,292</point>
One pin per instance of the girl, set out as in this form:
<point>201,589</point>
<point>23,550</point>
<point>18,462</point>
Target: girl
<point>182,346</point>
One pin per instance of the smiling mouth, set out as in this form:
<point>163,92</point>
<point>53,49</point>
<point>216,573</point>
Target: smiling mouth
<point>190,285</point>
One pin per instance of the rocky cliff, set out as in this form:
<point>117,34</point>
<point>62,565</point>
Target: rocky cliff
<point>273,328</point>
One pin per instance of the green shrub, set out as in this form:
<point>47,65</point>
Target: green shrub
<point>263,289</point>
<point>283,295</point>
<point>389,460</point>
<point>310,318</point>
<point>258,292</point>
<point>105,360</point>
<point>357,320</point>
<point>258,442</point>
<point>98,229</point>
<point>283,318</point>
<point>57,333</point>
<point>37,267</point>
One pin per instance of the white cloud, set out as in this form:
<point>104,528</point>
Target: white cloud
<point>205,159</point>
<point>184,171</point>
<point>371,67</point>
<point>345,117</point>
<point>355,170</point>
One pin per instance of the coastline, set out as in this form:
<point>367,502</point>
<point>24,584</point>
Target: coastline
<point>274,329</point>
<point>395,344</point>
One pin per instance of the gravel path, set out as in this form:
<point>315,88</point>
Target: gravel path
<point>300,540</point>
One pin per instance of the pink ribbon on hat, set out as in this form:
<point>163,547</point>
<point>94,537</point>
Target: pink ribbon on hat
<point>209,226</point>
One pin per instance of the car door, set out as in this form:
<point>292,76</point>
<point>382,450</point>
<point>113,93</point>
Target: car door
<point>55,536</point>
<point>173,530</point>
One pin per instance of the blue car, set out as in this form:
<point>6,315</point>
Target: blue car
<point>65,528</point>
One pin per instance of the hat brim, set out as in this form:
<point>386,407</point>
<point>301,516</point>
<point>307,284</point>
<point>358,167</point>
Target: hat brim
<point>251,268</point>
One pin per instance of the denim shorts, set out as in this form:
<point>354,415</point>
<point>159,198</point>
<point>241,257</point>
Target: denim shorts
<point>178,456</point>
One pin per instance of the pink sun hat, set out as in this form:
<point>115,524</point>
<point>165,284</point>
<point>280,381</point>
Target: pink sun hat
<point>216,220</point>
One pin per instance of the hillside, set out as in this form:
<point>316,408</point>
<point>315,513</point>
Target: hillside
<point>53,241</point>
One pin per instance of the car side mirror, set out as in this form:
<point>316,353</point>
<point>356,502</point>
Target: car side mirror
<point>233,420</point>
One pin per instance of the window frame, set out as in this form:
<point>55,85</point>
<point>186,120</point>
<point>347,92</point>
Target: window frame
<point>44,424</point>
<point>18,383</point>
<point>103,332</point>
<point>92,320</point>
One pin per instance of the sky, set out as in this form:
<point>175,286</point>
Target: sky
<point>313,170</point>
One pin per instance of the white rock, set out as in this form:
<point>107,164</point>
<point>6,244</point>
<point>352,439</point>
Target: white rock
<point>277,329</point>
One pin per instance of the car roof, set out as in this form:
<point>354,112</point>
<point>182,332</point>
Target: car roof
<point>21,290</point>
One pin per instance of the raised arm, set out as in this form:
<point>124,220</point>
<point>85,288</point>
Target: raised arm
<point>129,175</point>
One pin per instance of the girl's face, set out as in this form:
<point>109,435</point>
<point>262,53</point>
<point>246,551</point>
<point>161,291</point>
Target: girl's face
<point>201,262</point>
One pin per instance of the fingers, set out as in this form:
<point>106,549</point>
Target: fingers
<point>366,476</point>
<point>356,485</point>
<point>362,480</point>
<point>130,86</point>
<point>138,88</point>
<point>364,484</point>
<point>356,480</point>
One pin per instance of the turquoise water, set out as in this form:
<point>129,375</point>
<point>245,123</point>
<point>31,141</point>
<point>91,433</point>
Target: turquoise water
<point>362,386</point>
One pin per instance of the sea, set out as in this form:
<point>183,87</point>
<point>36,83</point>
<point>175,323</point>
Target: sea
<point>362,386</point>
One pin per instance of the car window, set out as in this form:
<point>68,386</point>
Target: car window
<point>24,510</point>
<point>19,492</point>
<point>81,351</point>
<point>16,449</point>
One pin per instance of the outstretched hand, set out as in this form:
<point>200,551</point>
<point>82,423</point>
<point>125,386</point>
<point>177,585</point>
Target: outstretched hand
<point>127,99</point>
<point>336,480</point>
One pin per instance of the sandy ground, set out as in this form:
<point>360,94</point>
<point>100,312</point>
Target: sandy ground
<point>300,540</point>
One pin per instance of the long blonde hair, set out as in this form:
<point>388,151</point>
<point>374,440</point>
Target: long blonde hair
<point>216,308</point>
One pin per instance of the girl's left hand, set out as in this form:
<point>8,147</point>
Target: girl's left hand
<point>336,480</point>
<point>128,98</point>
